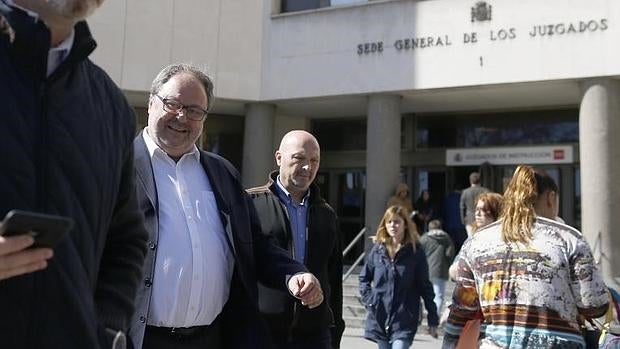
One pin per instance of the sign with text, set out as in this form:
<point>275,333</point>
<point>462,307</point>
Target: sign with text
<point>481,12</point>
<point>561,154</point>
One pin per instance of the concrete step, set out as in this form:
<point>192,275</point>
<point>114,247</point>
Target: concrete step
<point>354,322</point>
<point>350,288</point>
<point>354,310</point>
<point>350,298</point>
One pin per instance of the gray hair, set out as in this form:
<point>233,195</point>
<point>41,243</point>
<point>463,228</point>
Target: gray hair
<point>168,72</point>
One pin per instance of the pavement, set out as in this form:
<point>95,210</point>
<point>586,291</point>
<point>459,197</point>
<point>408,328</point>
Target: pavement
<point>353,339</point>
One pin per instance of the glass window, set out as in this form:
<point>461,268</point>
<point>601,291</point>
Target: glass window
<point>338,135</point>
<point>518,128</point>
<point>578,198</point>
<point>346,2</point>
<point>300,5</point>
<point>222,135</point>
<point>142,116</point>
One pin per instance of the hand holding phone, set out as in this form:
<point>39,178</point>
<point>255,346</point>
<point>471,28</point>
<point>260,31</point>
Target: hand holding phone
<point>26,239</point>
<point>16,258</point>
<point>46,229</point>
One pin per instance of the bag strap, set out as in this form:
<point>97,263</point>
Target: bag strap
<point>609,315</point>
<point>615,298</point>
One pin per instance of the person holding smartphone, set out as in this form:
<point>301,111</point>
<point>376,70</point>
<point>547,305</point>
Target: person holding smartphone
<point>66,134</point>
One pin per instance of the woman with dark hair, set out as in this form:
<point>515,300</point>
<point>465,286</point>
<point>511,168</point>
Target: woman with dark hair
<point>392,281</point>
<point>425,211</point>
<point>487,211</point>
<point>529,275</point>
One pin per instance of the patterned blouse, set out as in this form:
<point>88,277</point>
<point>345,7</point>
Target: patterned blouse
<point>529,295</point>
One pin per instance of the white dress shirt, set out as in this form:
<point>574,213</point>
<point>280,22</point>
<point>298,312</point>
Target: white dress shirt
<point>193,263</point>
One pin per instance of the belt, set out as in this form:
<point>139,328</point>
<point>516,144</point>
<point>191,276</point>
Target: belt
<point>180,332</point>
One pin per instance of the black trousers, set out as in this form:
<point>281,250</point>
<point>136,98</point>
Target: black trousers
<point>164,338</point>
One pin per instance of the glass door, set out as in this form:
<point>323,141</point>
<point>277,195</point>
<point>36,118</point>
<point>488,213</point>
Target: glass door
<point>345,190</point>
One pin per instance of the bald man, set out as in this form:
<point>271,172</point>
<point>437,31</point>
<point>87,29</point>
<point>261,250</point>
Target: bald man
<point>292,210</point>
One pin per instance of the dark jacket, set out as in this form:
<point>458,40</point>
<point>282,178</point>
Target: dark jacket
<point>256,256</point>
<point>285,316</point>
<point>66,150</point>
<point>439,251</point>
<point>391,292</point>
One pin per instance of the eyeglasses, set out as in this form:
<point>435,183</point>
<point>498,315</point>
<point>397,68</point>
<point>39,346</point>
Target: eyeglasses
<point>191,112</point>
<point>482,210</point>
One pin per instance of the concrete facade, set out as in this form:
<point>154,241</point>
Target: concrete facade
<point>382,155</point>
<point>380,60</point>
<point>600,150</point>
<point>258,158</point>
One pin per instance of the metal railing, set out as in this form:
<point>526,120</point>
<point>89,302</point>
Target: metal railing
<point>349,247</point>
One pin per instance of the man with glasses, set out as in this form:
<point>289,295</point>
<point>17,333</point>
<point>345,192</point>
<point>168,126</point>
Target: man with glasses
<point>66,136</point>
<point>206,249</point>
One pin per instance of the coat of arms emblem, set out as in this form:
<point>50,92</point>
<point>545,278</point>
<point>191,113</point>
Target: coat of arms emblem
<point>481,12</point>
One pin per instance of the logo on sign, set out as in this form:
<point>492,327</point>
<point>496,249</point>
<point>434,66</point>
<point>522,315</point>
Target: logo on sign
<point>558,154</point>
<point>481,12</point>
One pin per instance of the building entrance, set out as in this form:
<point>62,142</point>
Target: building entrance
<point>345,190</point>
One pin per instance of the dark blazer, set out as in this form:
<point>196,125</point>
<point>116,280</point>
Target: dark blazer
<point>323,258</point>
<point>256,256</point>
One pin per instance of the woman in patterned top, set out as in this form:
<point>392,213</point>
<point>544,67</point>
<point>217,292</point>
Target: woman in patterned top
<point>529,275</point>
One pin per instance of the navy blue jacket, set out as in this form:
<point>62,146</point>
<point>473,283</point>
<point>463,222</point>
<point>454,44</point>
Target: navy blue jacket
<point>66,149</point>
<point>257,258</point>
<point>391,292</point>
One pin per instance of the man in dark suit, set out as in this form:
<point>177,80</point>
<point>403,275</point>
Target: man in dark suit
<point>206,249</point>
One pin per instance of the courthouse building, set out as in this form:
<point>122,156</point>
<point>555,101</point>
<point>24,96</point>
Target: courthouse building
<point>423,92</point>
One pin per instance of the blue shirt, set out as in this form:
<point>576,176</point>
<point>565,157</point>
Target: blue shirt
<point>298,216</point>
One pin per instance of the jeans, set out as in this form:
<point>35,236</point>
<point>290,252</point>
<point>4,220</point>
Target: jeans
<point>439,287</point>
<point>397,344</point>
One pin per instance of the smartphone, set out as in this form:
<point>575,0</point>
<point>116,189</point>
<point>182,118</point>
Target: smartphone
<point>46,229</point>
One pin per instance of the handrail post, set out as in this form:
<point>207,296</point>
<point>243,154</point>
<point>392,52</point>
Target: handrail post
<point>349,248</point>
<point>350,271</point>
<point>352,243</point>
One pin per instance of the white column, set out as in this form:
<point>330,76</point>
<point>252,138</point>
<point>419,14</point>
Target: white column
<point>599,149</point>
<point>382,156</point>
<point>258,148</point>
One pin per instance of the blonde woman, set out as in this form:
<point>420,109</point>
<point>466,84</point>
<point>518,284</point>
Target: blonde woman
<point>528,274</point>
<point>392,281</point>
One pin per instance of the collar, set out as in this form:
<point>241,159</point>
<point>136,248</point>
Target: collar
<point>30,46</point>
<point>29,12</point>
<point>153,148</point>
<point>436,232</point>
<point>286,193</point>
<point>64,45</point>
